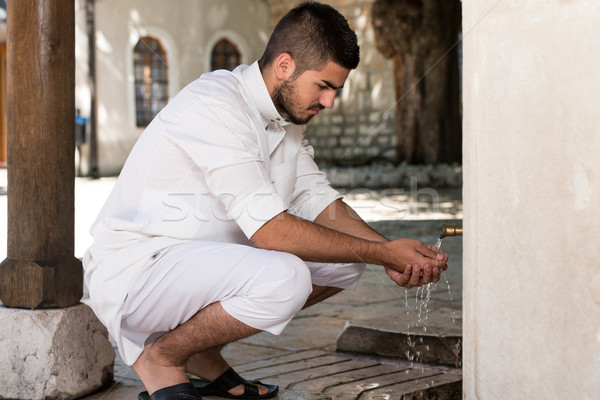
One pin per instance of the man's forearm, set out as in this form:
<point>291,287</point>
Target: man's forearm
<point>314,242</point>
<point>341,217</point>
<point>342,237</point>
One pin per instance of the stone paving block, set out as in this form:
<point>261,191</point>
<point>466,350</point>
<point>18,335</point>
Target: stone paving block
<point>121,389</point>
<point>342,368</point>
<point>320,384</point>
<point>353,390</point>
<point>275,371</point>
<point>285,395</point>
<point>239,353</point>
<point>315,331</point>
<point>298,395</point>
<point>371,292</point>
<point>354,312</point>
<point>446,386</point>
<point>294,340</point>
<point>282,360</point>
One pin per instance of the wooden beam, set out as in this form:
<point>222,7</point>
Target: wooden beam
<point>40,270</point>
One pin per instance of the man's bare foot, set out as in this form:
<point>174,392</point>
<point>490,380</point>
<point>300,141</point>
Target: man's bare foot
<point>156,373</point>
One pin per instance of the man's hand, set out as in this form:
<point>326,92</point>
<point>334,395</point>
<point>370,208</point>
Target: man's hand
<point>412,275</point>
<point>401,252</point>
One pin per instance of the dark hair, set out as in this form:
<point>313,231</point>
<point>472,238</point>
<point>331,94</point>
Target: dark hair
<point>313,34</point>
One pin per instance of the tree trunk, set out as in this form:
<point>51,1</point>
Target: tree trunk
<point>421,37</point>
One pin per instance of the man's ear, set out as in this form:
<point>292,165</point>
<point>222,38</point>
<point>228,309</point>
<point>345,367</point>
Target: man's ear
<point>284,66</point>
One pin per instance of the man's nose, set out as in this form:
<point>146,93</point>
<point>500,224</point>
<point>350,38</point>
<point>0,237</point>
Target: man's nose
<point>327,98</point>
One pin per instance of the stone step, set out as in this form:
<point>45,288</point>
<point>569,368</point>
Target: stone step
<point>431,341</point>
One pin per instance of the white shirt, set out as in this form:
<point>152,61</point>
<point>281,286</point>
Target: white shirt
<point>215,164</point>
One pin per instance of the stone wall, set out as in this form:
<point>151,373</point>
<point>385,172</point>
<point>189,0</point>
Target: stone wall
<point>381,176</point>
<point>361,127</point>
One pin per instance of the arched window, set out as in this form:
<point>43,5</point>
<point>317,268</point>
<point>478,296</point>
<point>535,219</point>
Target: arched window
<point>225,55</point>
<point>151,81</point>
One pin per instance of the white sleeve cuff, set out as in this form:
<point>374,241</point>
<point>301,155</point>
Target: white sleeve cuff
<point>257,208</point>
<point>314,205</point>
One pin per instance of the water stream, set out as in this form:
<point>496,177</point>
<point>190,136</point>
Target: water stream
<point>422,298</point>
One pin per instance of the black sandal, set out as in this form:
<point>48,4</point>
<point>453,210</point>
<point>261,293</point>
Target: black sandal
<point>230,379</point>
<point>181,391</point>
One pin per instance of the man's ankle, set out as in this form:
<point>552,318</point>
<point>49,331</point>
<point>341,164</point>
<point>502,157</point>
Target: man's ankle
<point>155,376</point>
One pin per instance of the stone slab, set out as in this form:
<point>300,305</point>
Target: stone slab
<point>53,353</point>
<point>432,340</point>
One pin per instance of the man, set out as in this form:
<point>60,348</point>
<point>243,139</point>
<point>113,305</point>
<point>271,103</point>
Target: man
<point>221,225</point>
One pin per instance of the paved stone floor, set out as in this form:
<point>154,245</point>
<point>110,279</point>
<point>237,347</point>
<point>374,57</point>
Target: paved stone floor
<point>386,332</point>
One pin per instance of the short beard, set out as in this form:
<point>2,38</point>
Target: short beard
<point>282,99</point>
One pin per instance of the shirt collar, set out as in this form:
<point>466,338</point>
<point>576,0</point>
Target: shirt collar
<point>261,96</point>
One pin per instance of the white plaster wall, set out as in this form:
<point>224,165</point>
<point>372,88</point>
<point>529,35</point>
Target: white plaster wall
<point>184,27</point>
<point>531,199</point>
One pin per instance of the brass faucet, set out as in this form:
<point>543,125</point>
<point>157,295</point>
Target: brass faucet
<point>451,230</point>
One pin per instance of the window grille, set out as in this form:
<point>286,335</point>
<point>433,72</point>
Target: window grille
<point>225,55</point>
<point>151,80</point>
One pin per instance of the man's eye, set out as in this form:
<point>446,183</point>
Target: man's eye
<point>322,87</point>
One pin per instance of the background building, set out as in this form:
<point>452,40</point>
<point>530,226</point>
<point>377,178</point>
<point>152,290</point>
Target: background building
<point>146,51</point>
<point>135,55</point>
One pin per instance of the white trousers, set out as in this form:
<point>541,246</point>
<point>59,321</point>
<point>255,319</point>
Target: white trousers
<point>261,288</point>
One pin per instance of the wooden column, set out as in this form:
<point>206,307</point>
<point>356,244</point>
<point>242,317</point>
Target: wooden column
<point>40,270</point>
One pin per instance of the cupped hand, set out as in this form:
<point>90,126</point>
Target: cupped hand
<point>445,255</point>
<point>414,275</point>
<point>399,253</point>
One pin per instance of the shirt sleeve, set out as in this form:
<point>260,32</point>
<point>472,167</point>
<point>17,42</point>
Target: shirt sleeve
<point>223,142</point>
<point>312,192</point>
